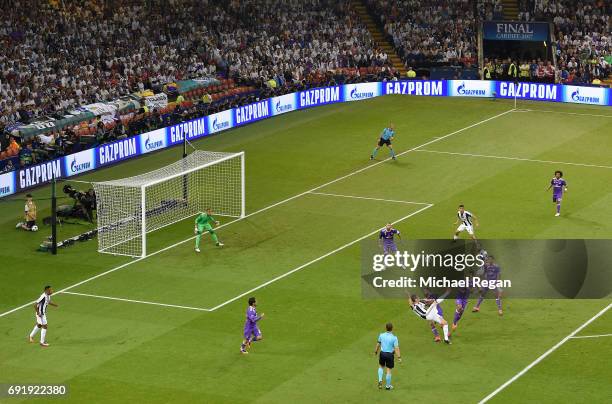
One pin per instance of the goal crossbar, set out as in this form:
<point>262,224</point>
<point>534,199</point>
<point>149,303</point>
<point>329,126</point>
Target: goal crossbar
<point>137,183</point>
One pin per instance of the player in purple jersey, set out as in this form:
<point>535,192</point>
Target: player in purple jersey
<point>559,186</point>
<point>461,301</point>
<point>385,237</point>
<point>491,273</point>
<point>251,331</point>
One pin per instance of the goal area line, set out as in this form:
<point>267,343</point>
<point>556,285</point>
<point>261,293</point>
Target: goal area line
<point>152,233</point>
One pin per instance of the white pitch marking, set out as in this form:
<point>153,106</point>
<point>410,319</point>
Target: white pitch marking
<point>369,199</point>
<point>514,158</point>
<point>136,301</point>
<point>563,112</point>
<point>267,207</point>
<point>429,205</point>
<point>592,336</point>
<point>544,355</point>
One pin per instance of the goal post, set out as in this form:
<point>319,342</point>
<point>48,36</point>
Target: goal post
<point>131,208</point>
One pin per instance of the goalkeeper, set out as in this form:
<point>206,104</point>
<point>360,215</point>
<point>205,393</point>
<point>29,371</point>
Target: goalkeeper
<point>203,222</point>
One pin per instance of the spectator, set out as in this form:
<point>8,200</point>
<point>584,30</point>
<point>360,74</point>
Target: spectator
<point>524,71</point>
<point>207,98</point>
<point>13,147</point>
<point>8,166</point>
<point>549,72</point>
<point>26,156</point>
<point>47,140</point>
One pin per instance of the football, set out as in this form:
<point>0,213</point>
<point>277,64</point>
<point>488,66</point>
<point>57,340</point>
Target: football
<point>34,228</point>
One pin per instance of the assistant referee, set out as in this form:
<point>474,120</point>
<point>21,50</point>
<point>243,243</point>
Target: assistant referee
<point>388,345</point>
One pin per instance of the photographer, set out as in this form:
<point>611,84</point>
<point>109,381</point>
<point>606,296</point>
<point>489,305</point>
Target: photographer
<point>88,201</point>
<point>84,203</point>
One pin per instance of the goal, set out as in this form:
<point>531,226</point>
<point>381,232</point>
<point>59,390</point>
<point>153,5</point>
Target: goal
<point>129,209</point>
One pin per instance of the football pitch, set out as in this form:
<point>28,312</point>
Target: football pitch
<point>167,328</point>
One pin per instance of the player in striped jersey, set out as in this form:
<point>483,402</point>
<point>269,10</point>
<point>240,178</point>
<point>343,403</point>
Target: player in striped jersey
<point>40,308</point>
<point>427,309</point>
<point>434,329</point>
<point>466,221</point>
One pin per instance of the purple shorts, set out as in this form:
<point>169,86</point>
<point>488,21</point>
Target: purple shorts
<point>389,247</point>
<point>461,301</point>
<point>251,332</point>
<point>557,197</point>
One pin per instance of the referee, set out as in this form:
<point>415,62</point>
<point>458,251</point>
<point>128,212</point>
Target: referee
<point>388,345</point>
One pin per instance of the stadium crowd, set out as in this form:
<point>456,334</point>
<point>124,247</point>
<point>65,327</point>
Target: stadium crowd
<point>50,64</point>
<point>583,36</point>
<point>440,31</point>
<point>490,10</point>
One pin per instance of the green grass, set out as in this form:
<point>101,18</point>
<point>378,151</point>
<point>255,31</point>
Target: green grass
<point>319,332</point>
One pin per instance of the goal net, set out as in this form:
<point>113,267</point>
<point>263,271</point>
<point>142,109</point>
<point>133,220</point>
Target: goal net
<point>130,208</point>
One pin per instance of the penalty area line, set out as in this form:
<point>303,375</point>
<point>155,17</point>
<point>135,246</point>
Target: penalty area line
<point>136,301</point>
<point>428,205</point>
<point>294,270</point>
<point>544,355</point>
<point>101,274</point>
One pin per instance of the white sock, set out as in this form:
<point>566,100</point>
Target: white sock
<point>34,331</point>
<point>455,237</point>
<point>43,333</point>
<point>445,329</point>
